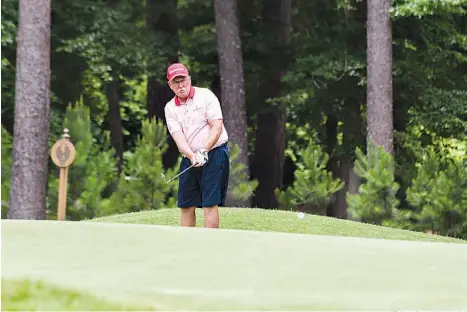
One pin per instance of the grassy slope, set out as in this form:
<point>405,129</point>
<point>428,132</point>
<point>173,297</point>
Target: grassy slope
<point>279,221</point>
<point>31,296</point>
<point>169,267</point>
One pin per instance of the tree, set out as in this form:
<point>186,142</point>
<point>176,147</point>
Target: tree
<point>162,20</point>
<point>32,111</point>
<point>232,80</point>
<point>379,71</point>
<point>314,185</point>
<point>270,132</point>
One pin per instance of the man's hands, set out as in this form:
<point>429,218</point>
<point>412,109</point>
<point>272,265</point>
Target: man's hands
<point>199,158</point>
<point>203,155</point>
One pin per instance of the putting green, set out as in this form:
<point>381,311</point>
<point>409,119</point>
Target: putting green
<point>172,268</point>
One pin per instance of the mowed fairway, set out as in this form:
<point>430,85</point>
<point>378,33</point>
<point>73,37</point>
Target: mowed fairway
<point>172,268</point>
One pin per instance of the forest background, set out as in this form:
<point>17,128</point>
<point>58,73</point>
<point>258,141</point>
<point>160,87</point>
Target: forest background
<point>347,108</point>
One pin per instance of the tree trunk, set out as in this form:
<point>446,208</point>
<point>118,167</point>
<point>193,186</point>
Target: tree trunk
<point>115,121</point>
<point>161,17</point>
<point>339,207</point>
<point>32,112</point>
<point>379,71</point>
<point>353,137</point>
<point>232,81</point>
<point>333,162</point>
<point>270,133</point>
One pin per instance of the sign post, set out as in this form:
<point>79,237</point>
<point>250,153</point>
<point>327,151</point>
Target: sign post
<point>63,153</point>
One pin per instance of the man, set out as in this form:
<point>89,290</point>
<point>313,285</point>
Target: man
<point>194,120</point>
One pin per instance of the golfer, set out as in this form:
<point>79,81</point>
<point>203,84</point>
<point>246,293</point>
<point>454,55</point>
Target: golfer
<point>194,120</point>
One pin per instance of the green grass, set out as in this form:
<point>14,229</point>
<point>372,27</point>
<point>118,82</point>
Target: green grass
<point>25,295</point>
<point>279,221</point>
<point>263,268</point>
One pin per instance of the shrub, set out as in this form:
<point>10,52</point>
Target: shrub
<point>314,186</point>
<point>438,195</point>
<point>376,200</point>
<point>240,188</point>
<point>92,172</point>
<point>7,161</point>
<point>141,186</point>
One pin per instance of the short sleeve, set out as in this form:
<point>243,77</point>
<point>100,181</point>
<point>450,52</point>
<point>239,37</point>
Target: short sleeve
<point>173,125</point>
<point>213,107</point>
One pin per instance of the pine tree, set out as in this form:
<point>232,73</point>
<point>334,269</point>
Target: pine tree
<point>240,187</point>
<point>141,186</point>
<point>314,186</point>
<point>376,200</point>
<point>439,195</point>
<point>92,173</point>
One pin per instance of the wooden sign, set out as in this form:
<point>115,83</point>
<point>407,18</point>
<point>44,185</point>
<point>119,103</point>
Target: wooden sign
<point>63,153</point>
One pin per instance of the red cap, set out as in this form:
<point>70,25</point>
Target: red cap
<point>175,70</point>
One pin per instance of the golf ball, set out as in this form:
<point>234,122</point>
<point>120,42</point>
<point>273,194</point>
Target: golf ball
<point>301,215</point>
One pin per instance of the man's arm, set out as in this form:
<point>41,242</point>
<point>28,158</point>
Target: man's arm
<point>175,130</point>
<point>214,133</point>
<point>182,144</point>
<point>215,119</point>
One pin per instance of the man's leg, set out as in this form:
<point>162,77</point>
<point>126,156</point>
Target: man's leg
<point>214,185</point>
<point>211,217</point>
<point>189,194</point>
<point>188,216</point>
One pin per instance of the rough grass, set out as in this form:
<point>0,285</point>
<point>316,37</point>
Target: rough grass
<point>279,221</point>
<point>25,295</point>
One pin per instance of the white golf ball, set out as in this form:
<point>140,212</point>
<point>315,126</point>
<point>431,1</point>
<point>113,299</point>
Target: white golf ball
<point>301,215</point>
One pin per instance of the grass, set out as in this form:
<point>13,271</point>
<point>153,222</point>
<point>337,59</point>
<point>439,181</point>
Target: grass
<point>25,295</point>
<point>127,264</point>
<point>279,221</point>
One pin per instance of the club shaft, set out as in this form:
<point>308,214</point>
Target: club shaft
<point>180,173</point>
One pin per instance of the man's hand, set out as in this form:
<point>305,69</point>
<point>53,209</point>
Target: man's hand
<point>203,156</point>
<point>195,159</point>
<point>200,158</point>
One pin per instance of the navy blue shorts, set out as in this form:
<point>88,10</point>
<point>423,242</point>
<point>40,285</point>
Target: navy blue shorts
<point>205,186</point>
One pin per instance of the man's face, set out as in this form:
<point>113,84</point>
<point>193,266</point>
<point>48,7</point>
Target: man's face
<point>181,86</point>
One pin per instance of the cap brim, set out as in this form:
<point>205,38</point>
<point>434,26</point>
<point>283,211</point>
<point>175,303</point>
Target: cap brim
<point>178,75</point>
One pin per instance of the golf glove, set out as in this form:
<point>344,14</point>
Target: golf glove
<point>202,157</point>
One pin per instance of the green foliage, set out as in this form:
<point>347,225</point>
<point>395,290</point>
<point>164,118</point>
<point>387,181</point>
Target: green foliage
<point>9,22</point>
<point>451,104</point>
<point>7,162</point>
<point>240,188</point>
<point>141,186</point>
<point>92,172</point>
<point>439,194</point>
<point>111,38</point>
<point>376,200</point>
<point>313,185</point>
<point>421,8</point>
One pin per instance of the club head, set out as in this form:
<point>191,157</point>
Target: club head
<point>163,177</point>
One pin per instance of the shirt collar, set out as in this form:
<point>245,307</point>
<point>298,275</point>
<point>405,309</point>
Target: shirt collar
<point>190,96</point>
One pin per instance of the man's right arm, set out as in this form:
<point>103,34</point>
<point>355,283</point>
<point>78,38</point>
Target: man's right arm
<point>182,144</point>
<point>176,132</point>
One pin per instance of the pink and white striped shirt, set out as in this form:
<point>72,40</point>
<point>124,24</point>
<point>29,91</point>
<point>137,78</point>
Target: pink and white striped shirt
<point>192,117</point>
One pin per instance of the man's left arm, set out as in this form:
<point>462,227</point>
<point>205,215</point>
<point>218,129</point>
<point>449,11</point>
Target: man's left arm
<point>214,133</point>
<point>215,120</point>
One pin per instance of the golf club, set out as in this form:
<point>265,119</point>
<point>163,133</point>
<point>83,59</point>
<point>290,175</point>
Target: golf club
<point>163,175</point>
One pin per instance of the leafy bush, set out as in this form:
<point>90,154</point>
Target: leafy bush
<point>240,188</point>
<point>141,186</point>
<point>7,161</point>
<point>439,195</point>
<point>376,200</point>
<point>92,172</point>
<point>314,186</point>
